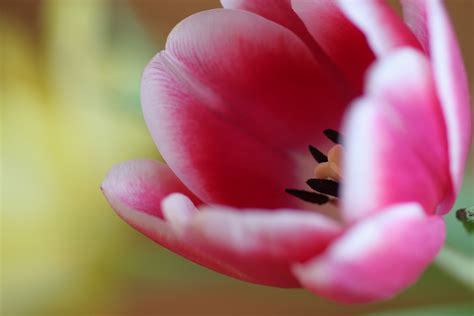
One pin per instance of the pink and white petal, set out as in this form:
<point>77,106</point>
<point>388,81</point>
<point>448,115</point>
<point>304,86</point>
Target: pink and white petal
<point>164,234</point>
<point>135,190</point>
<point>396,148</point>
<point>384,29</point>
<point>342,41</point>
<point>376,258</point>
<point>260,243</point>
<point>256,71</point>
<point>431,24</point>
<point>280,12</point>
<point>332,38</point>
<point>233,103</point>
<point>142,184</point>
<point>414,14</point>
<point>160,221</point>
<point>411,68</point>
<point>257,235</point>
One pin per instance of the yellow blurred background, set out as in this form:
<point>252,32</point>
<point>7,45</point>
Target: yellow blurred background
<point>70,74</point>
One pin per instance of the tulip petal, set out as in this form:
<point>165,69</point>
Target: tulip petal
<point>259,243</point>
<point>280,12</point>
<point>376,258</point>
<point>431,24</point>
<point>414,14</point>
<point>232,105</point>
<point>142,184</point>
<point>161,215</point>
<point>325,30</point>
<point>396,148</point>
<point>383,28</point>
<point>135,190</point>
<point>342,41</point>
<point>284,235</point>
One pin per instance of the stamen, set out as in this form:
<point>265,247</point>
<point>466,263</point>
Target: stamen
<point>317,155</point>
<point>335,155</point>
<point>324,186</point>
<point>308,196</point>
<point>333,135</point>
<point>335,168</point>
<point>324,171</point>
<point>328,173</point>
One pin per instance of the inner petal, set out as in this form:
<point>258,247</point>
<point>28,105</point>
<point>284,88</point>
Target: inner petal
<point>232,112</point>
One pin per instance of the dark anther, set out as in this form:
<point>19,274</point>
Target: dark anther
<point>308,196</point>
<point>324,186</point>
<point>317,155</point>
<point>333,136</point>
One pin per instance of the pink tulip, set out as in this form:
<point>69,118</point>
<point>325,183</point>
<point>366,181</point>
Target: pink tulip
<point>233,103</point>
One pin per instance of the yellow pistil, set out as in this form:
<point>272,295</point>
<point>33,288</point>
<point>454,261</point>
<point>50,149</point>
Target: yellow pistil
<point>332,168</point>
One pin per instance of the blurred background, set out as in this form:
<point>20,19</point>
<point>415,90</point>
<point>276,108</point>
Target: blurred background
<point>70,74</point>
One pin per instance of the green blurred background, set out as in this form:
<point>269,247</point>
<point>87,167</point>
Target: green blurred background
<point>70,74</point>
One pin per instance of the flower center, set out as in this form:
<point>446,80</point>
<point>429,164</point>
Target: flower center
<point>331,169</point>
<point>328,173</point>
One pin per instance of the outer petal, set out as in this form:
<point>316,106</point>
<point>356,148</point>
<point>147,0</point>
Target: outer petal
<point>135,190</point>
<point>260,243</point>
<point>396,141</point>
<point>142,184</point>
<point>342,41</point>
<point>384,29</point>
<point>126,189</point>
<point>233,103</point>
<point>431,24</point>
<point>414,14</point>
<point>376,258</point>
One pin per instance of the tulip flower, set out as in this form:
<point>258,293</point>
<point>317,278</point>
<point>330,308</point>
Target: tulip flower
<point>308,143</point>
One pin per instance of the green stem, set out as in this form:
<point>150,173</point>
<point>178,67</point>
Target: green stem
<point>457,264</point>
